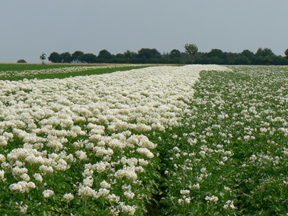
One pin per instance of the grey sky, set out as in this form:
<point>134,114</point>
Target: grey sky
<point>31,27</point>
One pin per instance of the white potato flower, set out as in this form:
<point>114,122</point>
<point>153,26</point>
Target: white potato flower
<point>113,198</point>
<point>25,177</point>
<point>129,194</point>
<point>126,172</point>
<point>130,210</point>
<point>85,191</point>
<point>48,193</point>
<point>38,177</point>
<point>185,192</point>
<point>105,184</point>
<point>88,181</point>
<point>46,169</point>
<point>3,141</point>
<point>211,199</point>
<point>68,197</point>
<point>2,173</point>
<point>2,158</point>
<point>146,152</point>
<point>22,186</point>
<point>23,208</point>
<point>81,155</point>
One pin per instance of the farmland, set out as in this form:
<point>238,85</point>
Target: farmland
<point>162,140</point>
<point>42,71</point>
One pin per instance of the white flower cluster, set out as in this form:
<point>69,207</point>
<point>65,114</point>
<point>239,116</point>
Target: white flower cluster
<point>229,204</point>
<point>85,191</point>
<point>22,186</point>
<point>129,210</point>
<point>2,173</point>
<point>146,152</point>
<point>128,172</point>
<point>68,197</point>
<point>185,197</point>
<point>23,208</point>
<point>211,199</point>
<point>48,193</point>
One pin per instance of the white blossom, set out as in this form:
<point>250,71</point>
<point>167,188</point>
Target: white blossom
<point>68,197</point>
<point>48,193</point>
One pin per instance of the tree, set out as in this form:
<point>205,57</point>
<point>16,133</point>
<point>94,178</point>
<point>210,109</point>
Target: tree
<point>104,56</point>
<point>66,57</point>
<point>216,53</point>
<point>265,52</point>
<point>55,57</point>
<point>120,58</point>
<point>77,55</point>
<point>264,56</point>
<point>286,53</point>
<point>89,58</point>
<point>241,60</point>
<point>175,53</point>
<point>248,53</point>
<point>175,56</point>
<point>21,61</point>
<point>191,50</point>
<point>146,55</point>
<point>43,57</point>
<point>267,59</point>
<point>127,55</point>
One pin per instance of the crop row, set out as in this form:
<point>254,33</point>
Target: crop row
<point>231,157</point>
<point>59,71</point>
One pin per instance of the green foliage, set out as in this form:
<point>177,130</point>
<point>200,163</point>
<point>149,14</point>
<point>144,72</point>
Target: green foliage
<point>128,55</point>
<point>88,58</point>
<point>286,53</point>
<point>21,61</point>
<point>149,55</point>
<point>55,57</point>
<point>246,57</point>
<point>247,53</point>
<point>191,50</point>
<point>264,52</point>
<point>104,56</point>
<point>66,57</point>
<point>43,57</point>
<point>77,56</point>
<point>146,55</point>
<point>23,67</point>
<point>175,53</point>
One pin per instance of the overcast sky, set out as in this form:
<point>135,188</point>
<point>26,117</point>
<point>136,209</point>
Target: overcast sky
<point>31,27</point>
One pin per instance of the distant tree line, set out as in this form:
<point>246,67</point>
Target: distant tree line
<point>263,56</point>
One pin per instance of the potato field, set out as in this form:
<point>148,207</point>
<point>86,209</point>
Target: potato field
<point>144,140</point>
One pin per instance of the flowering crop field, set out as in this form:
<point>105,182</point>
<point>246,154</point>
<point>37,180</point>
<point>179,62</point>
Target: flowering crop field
<point>31,71</point>
<point>166,140</point>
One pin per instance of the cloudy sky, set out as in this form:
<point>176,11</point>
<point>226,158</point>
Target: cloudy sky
<point>31,27</point>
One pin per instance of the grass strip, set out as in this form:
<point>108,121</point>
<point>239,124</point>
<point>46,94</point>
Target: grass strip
<point>21,67</point>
